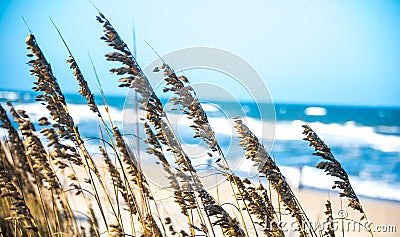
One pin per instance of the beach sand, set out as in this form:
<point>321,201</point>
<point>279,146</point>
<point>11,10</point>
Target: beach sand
<point>383,215</point>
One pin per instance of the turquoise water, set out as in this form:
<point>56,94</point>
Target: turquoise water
<point>366,140</point>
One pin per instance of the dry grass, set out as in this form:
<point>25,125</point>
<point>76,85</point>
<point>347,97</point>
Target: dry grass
<point>43,175</point>
<point>332,167</point>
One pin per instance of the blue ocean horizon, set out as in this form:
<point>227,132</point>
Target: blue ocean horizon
<point>366,140</point>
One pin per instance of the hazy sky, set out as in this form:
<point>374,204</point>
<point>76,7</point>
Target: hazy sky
<point>320,52</point>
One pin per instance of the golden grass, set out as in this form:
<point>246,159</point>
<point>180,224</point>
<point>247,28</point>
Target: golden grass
<point>44,175</point>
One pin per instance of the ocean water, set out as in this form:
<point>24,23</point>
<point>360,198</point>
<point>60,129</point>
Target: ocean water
<point>366,140</point>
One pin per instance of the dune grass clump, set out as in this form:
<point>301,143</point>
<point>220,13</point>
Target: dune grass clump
<point>51,184</point>
<point>18,214</point>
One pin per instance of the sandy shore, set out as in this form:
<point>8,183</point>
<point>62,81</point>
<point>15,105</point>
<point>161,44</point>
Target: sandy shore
<point>383,215</point>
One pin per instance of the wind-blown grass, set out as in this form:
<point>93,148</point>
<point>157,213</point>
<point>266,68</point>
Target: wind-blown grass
<point>43,174</point>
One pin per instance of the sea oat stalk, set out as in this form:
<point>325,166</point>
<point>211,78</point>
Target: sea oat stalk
<point>256,152</point>
<point>332,167</point>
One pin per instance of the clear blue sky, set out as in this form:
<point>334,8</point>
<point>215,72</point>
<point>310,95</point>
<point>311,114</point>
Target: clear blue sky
<point>320,52</point>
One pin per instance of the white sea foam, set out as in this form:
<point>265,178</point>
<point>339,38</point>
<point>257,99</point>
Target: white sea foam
<point>315,111</point>
<point>334,134</point>
<point>348,135</point>
<point>9,95</point>
<point>226,126</point>
<point>79,112</point>
<point>315,178</point>
<point>209,107</point>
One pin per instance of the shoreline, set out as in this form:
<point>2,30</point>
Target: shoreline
<point>382,214</point>
<point>368,198</point>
